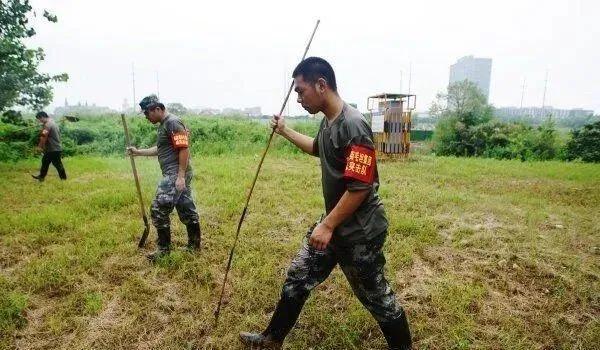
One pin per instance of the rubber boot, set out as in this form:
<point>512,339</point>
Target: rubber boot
<point>194,237</point>
<point>284,317</point>
<point>258,341</point>
<point>164,244</point>
<point>397,333</point>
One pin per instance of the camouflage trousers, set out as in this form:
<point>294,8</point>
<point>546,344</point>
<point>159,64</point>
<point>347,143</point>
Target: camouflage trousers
<point>363,265</point>
<point>168,197</point>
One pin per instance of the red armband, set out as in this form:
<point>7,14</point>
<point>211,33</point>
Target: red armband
<point>360,164</point>
<point>180,139</point>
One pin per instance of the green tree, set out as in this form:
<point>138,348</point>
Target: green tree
<point>20,82</point>
<point>585,144</point>
<point>459,111</point>
<point>545,142</point>
<point>12,117</point>
<point>177,108</point>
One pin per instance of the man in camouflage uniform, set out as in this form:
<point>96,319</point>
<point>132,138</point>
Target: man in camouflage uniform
<point>49,143</point>
<point>172,149</point>
<point>354,228</point>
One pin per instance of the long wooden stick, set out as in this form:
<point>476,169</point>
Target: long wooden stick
<point>137,186</point>
<point>239,226</point>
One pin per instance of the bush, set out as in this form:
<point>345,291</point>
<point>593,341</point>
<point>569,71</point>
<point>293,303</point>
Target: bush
<point>466,128</point>
<point>105,136</point>
<point>13,117</point>
<point>79,136</point>
<point>585,144</point>
<point>421,135</point>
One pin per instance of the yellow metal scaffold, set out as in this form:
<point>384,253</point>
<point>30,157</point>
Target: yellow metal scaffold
<point>391,118</point>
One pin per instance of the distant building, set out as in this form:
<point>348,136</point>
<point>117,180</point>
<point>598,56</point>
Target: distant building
<point>423,121</point>
<point>232,111</point>
<point>207,111</point>
<point>474,69</point>
<point>82,109</point>
<point>539,112</point>
<point>253,111</point>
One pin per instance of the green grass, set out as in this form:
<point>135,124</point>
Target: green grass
<point>483,254</point>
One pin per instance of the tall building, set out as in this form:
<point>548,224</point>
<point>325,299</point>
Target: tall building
<point>474,69</point>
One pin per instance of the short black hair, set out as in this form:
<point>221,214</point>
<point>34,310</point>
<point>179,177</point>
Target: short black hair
<point>41,114</point>
<point>159,105</point>
<point>153,107</point>
<point>314,68</point>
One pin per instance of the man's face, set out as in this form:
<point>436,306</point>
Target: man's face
<point>42,120</point>
<point>153,115</point>
<point>310,95</point>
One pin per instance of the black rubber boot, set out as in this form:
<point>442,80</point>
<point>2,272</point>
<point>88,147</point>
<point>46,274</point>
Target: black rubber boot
<point>194,236</point>
<point>397,333</point>
<point>38,177</point>
<point>258,341</point>
<point>284,317</point>
<point>164,244</point>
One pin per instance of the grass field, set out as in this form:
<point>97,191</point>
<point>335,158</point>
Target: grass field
<point>483,254</point>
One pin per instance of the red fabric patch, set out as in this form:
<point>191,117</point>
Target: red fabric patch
<point>360,164</point>
<point>180,139</point>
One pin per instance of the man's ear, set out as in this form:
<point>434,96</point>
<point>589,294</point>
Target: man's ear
<point>321,85</point>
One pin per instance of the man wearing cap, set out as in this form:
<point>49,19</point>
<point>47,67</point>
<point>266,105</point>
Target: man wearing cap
<point>49,144</point>
<point>353,229</point>
<point>172,149</point>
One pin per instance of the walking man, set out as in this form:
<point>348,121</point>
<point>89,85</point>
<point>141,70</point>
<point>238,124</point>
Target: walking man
<point>353,229</point>
<point>49,144</point>
<point>174,191</point>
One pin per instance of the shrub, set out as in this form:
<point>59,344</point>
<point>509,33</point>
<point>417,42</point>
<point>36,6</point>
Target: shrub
<point>585,144</point>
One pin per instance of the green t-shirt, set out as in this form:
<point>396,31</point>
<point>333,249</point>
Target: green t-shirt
<point>348,163</point>
<point>53,133</point>
<point>172,136</point>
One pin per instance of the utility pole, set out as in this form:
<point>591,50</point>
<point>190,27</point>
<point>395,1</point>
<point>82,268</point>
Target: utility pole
<point>522,95</point>
<point>544,97</point>
<point>133,84</point>
<point>157,87</point>
<point>401,80</point>
<point>409,76</point>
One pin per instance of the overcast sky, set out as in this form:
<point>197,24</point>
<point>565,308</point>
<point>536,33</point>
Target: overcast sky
<point>241,53</point>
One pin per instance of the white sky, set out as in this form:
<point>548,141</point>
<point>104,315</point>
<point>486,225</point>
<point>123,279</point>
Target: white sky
<point>241,53</point>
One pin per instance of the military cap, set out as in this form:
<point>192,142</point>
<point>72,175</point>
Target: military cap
<point>149,102</point>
